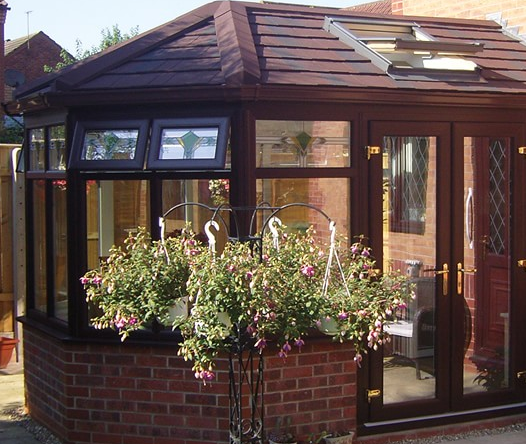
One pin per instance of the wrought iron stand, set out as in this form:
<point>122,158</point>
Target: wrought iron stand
<point>245,360</point>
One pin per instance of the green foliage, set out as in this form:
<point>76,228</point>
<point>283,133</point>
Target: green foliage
<point>11,134</point>
<point>110,37</point>
<point>140,282</point>
<point>277,298</point>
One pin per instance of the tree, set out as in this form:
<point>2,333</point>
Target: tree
<point>110,37</point>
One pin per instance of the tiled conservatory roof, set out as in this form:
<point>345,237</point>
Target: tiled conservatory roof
<point>230,44</point>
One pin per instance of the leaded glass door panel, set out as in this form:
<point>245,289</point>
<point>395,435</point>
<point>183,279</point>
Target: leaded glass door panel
<point>409,229</point>
<point>447,207</point>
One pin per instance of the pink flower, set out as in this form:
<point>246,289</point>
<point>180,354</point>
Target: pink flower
<point>365,253</point>
<point>358,359</point>
<point>205,375</point>
<point>343,316</point>
<point>249,275</point>
<point>261,343</point>
<point>307,270</point>
<point>84,280</point>
<point>97,280</point>
<point>299,343</point>
<point>286,347</point>
<point>120,323</point>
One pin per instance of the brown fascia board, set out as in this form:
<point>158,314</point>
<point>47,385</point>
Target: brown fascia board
<point>280,93</point>
<point>89,68</point>
<point>239,60</point>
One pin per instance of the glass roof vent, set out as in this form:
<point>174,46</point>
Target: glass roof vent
<point>397,46</point>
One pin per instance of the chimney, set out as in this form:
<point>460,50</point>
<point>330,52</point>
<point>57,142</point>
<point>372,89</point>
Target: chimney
<point>3,14</point>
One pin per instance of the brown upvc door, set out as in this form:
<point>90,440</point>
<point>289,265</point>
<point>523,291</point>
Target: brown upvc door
<point>489,182</point>
<point>446,205</point>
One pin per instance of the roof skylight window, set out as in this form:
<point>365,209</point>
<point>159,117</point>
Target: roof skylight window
<point>402,45</point>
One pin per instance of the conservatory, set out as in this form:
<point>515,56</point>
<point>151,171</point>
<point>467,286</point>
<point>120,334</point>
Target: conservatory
<point>409,132</point>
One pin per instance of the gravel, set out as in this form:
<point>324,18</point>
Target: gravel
<point>472,434</point>
<point>44,436</point>
<point>19,417</point>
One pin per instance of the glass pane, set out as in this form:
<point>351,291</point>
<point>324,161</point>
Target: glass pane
<point>57,148</point>
<point>110,144</point>
<point>409,160</point>
<point>114,209</point>
<point>213,192</point>
<point>186,143</point>
<point>292,144</point>
<point>319,192</point>
<point>60,236</point>
<point>486,264</point>
<point>39,245</point>
<point>409,358</point>
<point>36,149</point>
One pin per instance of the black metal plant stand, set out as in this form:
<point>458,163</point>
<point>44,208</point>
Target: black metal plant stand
<point>245,364</point>
<point>246,400</point>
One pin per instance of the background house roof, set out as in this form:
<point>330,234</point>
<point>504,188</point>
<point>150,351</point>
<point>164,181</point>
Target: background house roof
<point>235,44</point>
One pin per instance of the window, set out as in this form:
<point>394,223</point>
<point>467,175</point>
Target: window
<point>398,46</point>
<point>303,144</point>
<point>45,155</point>
<point>114,209</point>
<point>182,144</point>
<point>189,144</point>
<point>37,147</point>
<point>407,182</point>
<point>305,162</point>
<point>109,145</point>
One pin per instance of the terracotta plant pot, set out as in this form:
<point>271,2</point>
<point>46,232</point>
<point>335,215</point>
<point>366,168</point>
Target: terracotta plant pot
<point>345,439</point>
<point>7,345</point>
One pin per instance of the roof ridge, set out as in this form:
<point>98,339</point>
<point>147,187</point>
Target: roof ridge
<point>239,60</point>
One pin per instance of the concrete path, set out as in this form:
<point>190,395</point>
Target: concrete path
<point>11,398</point>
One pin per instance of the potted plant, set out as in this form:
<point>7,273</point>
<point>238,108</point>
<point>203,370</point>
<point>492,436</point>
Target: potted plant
<point>281,434</point>
<point>141,282</point>
<point>360,300</point>
<point>272,298</point>
<point>7,345</point>
<point>276,295</point>
<point>339,438</point>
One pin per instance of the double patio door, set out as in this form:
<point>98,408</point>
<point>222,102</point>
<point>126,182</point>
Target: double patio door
<point>447,208</point>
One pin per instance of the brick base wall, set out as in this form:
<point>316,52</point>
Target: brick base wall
<point>128,393</point>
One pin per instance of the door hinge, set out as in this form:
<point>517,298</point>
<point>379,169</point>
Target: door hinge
<point>373,394</point>
<point>522,150</point>
<point>521,263</point>
<point>370,150</point>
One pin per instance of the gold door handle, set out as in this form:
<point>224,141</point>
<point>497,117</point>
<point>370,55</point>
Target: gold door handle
<point>522,264</point>
<point>460,276</point>
<point>445,276</point>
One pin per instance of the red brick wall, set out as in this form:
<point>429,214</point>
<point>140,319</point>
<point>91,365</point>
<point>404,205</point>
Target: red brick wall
<point>31,61</point>
<point>126,393</point>
<point>513,11</point>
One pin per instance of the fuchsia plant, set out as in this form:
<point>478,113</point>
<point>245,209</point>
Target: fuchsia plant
<point>273,300</point>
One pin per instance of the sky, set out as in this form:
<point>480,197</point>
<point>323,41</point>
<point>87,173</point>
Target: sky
<point>66,21</point>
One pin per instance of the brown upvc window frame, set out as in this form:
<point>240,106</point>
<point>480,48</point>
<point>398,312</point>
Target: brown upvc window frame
<point>82,128</point>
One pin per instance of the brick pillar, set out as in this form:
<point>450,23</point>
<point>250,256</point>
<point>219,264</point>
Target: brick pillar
<point>3,13</point>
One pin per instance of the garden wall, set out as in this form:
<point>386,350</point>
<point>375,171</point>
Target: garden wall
<point>128,393</point>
